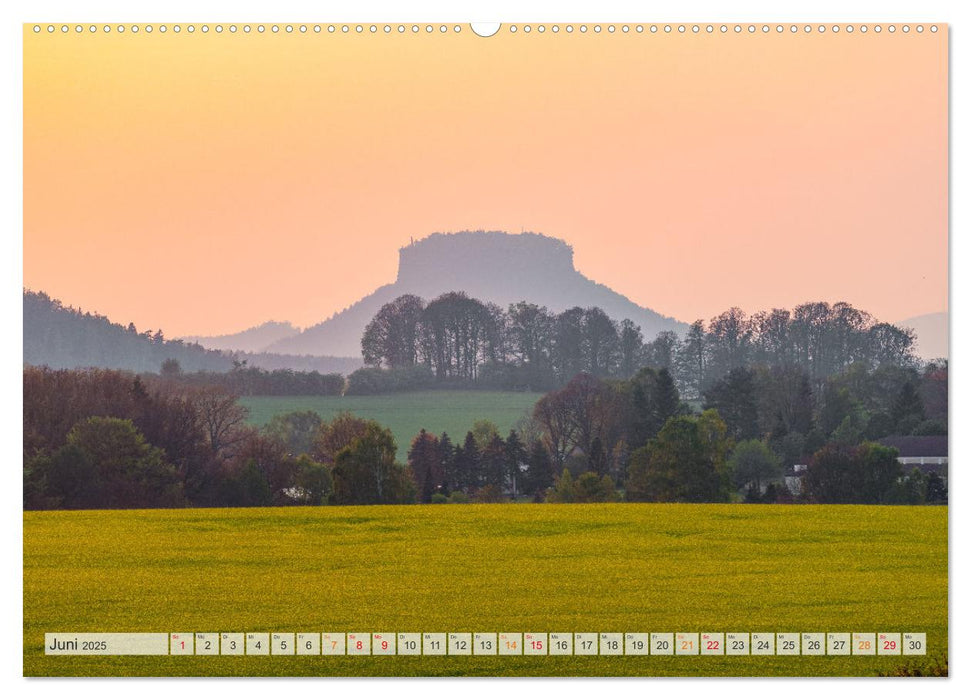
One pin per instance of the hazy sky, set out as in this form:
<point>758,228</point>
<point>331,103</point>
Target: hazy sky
<point>206,183</point>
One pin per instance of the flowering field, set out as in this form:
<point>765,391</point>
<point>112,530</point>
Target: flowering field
<point>453,568</point>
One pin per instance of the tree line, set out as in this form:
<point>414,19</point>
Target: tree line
<point>456,340</point>
<point>244,380</point>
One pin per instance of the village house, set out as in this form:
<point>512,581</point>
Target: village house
<point>926,452</point>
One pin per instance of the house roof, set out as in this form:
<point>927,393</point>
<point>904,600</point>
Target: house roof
<point>917,445</point>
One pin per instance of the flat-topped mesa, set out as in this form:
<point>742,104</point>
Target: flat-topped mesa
<point>478,260</point>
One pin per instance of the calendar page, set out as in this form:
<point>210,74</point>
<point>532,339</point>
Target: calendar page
<point>519,349</point>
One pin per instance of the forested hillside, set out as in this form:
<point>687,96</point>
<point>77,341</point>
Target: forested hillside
<point>62,337</point>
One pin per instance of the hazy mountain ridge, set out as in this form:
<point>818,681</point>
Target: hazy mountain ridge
<point>255,339</point>
<point>492,266</point>
<point>62,337</point>
<point>932,334</point>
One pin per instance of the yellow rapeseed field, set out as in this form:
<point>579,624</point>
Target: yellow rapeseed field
<point>491,568</point>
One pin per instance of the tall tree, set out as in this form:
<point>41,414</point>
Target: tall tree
<point>493,468</point>
<point>466,465</point>
<point>837,405</point>
<point>391,337</point>
<point>785,400</point>
<point>425,461</point>
<point>456,332</point>
<point>516,460</point>
<point>497,338</point>
<point>890,345</point>
<point>729,342</point>
<point>530,331</point>
<point>654,399</point>
<point>446,456</point>
<point>568,344</point>
<point>594,408</point>
<point>735,400</point>
<point>601,342</point>
<point>539,470</point>
<point>693,360</point>
<point>848,336</point>
<point>773,343</point>
<point>907,411</point>
<point>662,352</point>
<point>809,331</point>
<point>223,419</point>
<point>558,429</point>
<point>631,347</point>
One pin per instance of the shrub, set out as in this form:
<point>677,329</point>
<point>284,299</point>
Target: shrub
<point>589,487</point>
<point>490,493</point>
<point>374,380</point>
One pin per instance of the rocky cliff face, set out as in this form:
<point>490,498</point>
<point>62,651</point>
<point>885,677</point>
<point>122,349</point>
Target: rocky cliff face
<point>489,265</point>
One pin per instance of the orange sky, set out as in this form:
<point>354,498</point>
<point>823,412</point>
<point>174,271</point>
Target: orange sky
<point>206,183</point>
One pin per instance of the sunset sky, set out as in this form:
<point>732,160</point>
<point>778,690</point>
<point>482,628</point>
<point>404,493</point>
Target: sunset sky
<point>206,183</point>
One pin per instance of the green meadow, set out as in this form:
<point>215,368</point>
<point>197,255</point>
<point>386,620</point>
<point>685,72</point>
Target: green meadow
<point>405,414</point>
<point>489,568</point>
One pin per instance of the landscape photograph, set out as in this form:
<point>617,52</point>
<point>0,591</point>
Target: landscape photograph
<point>349,348</point>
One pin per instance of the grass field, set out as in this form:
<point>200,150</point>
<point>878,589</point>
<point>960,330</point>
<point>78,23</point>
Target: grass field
<point>405,414</point>
<point>530,568</point>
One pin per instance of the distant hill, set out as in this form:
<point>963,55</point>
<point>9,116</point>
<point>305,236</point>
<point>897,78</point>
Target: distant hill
<point>932,334</point>
<point>62,337</point>
<point>254,339</point>
<point>491,266</point>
